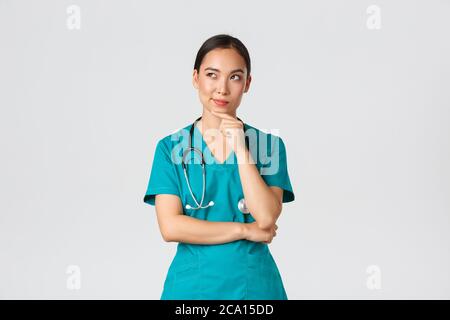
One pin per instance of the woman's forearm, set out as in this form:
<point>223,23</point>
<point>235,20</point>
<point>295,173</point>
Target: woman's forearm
<point>196,231</point>
<point>259,198</point>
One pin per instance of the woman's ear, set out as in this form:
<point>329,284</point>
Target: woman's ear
<point>195,79</point>
<point>247,83</point>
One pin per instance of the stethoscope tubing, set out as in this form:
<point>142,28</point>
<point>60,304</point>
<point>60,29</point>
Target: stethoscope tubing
<point>203,164</point>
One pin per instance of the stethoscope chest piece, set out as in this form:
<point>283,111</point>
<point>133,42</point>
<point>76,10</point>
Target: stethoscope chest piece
<point>242,207</point>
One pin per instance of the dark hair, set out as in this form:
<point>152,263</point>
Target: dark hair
<point>223,41</point>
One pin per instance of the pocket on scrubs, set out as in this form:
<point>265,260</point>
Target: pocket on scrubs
<point>264,281</point>
<point>186,272</point>
<point>185,283</point>
<point>275,285</point>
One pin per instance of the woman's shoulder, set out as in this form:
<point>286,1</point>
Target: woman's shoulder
<point>271,135</point>
<point>175,137</point>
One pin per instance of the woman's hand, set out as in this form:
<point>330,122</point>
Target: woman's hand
<point>232,129</point>
<point>256,234</point>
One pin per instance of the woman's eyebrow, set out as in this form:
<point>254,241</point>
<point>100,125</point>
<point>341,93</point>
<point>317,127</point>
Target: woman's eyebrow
<point>217,70</point>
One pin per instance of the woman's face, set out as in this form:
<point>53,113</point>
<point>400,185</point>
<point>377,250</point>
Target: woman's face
<point>222,76</point>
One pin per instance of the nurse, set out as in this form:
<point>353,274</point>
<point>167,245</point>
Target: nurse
<point>222,250</point>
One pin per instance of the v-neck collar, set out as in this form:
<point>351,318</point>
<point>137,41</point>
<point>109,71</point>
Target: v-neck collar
<point>207,154</point>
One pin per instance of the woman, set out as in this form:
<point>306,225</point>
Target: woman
<point>223,217</point>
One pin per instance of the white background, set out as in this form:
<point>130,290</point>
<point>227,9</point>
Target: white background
<point>364,114</point>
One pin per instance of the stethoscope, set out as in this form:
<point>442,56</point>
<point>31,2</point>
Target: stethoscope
<point>241,204</point>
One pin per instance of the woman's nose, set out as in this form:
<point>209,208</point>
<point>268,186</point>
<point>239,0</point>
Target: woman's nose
<point>222,88</point>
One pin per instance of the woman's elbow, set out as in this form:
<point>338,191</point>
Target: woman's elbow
<point>166,237</point>
<point>266,223</point>
<point>167,234</point>
<point>269,219</point>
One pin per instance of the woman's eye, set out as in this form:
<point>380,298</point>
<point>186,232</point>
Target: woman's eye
<point>210,74</point>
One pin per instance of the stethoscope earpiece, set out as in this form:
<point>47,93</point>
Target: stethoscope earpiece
<point>210,204</point>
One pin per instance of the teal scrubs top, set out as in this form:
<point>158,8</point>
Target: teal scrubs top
<point>237,270</point>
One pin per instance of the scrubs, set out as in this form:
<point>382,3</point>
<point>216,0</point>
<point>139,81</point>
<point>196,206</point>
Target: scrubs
<point>237,270</point>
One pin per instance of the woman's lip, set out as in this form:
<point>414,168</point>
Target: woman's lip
<point>220,102</point>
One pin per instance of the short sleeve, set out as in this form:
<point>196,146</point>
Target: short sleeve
<point>163,176</point>
<point>275,172</point>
